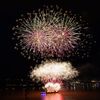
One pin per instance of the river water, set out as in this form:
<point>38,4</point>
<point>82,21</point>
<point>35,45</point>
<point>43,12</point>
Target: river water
<point>37,95</point>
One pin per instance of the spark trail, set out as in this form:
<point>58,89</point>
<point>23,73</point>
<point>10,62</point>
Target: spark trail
<point>48,33</point>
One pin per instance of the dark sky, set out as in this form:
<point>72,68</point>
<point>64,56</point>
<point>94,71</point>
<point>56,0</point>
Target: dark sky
<point>12,64</point>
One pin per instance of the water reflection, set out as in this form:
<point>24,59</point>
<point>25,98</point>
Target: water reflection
<point>53,96</point>
<point>37,95</point>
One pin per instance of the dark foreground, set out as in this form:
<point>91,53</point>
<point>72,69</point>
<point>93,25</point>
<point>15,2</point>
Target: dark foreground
<point>36,95</point>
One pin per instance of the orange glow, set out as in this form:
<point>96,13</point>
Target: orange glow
<point>56,96</point>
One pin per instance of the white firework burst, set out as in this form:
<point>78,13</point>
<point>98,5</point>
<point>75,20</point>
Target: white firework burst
<point>52,73</point>
<point>49,71</point>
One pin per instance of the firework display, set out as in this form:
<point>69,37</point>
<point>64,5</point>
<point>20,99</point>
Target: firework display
<point>52,34</point>
<point>52,73</point>
<point>48,33</point>
<point>52,87</point>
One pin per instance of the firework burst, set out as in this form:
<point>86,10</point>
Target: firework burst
<point>48,33</point>
<point>51,73</point>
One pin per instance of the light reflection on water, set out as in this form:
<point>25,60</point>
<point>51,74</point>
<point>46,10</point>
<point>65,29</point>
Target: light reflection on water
<point>37,95</point>
<point>55,96</point>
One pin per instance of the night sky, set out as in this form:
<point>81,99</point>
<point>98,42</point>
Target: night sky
<point>13,64</point>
